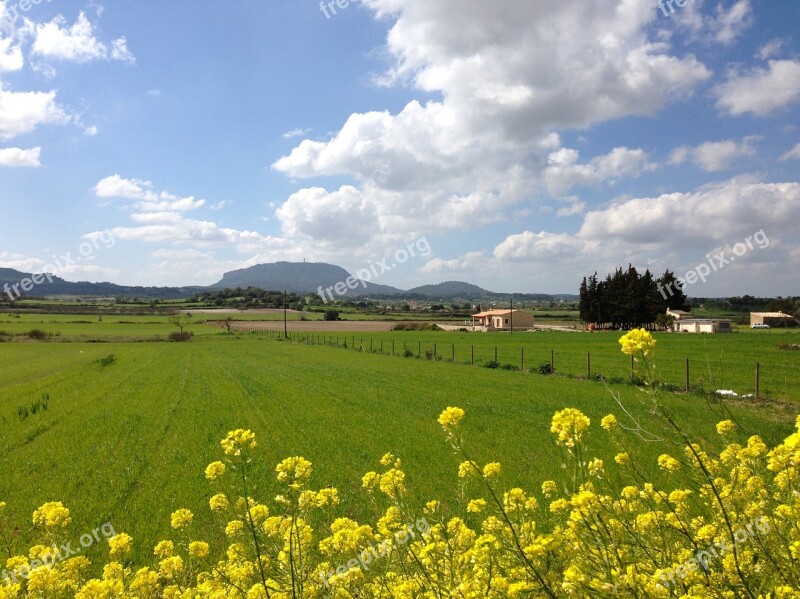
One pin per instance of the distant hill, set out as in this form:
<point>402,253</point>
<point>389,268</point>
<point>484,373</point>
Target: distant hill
<point>450,290</point>
<point>58,286</point>
<point>299,277</point>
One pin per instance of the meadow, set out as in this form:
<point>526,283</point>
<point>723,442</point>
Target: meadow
<point>130,426</point>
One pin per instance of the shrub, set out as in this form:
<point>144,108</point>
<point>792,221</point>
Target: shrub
<point>37,334</point>
<point>544,368</point>
<point>408,353</point>
<point>179,337</point>
<point>492,364</point>
<point>331,315</point>
<point>509,367</point>
<point>107,361</point>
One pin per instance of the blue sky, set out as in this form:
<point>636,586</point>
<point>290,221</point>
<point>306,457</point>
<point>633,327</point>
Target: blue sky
<point>530,142</point>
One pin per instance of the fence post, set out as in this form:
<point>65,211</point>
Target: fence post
<point>522,359</point>
<point>687,375</point>
<point>758,379</point>
<point>453,353</point>
<point>392,346</point>
<point>495,353</point>
<point>419,349</point>
<point>552,361</point>
<point>472,349</point>
<point>381,346</point>
<point>589,364</point>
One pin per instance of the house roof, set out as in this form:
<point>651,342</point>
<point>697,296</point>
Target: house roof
<point>681,312</point>
<point>703,320</point>
<point>493,313</point>
<point>771,314</point>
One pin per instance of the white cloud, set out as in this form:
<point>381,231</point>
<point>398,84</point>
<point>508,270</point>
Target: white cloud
<point>729,24</point>
<point>715,156</point>
<point>721,25</point>
<point>295,133</point>
<point>221,205</point>
<point>76,43</point>
<point>17,157</point>
<point>770,49</point>
<point>794,153</point>
<point>565,172</point>
<point>761,91</point>
<point>538,246</point>
<point>149,201</point>
<point>22,112</point>
<point>509,74</point>
<point>11,58</point>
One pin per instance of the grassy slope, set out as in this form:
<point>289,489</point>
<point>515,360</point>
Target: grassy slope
<point>129,442</point>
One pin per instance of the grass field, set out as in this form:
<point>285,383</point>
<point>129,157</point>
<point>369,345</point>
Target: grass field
<point>127,442</point>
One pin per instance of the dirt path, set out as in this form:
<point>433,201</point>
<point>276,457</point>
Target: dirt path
<point>315,326</point>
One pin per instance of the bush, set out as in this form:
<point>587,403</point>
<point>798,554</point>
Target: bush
<point>331,315</point>
<point>544,368</point>
<point>492,364</point>
<point>180,337</point>
<point>408,354</point>
<point>509,367</point>
<point>107,361</point>
<point>37,334</point>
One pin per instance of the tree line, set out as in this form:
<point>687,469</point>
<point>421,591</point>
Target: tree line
<point>627,299</point>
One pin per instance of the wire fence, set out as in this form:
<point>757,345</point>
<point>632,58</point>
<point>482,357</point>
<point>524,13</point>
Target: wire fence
<point>757,380</point>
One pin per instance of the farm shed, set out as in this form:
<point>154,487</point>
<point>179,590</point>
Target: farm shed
<point>499,320</point>
<point>773,319</point>
<point>702,325</point>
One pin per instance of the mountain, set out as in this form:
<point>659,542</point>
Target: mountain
<point>450,290</point>
<point>53,285</point>
<point>305,277</point>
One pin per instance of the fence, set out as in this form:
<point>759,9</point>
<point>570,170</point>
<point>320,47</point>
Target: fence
<point>755,380</point>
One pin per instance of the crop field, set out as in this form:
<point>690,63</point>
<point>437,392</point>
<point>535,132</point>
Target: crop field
<point>122,431</point>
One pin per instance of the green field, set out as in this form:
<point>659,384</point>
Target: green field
<point>127,442</point>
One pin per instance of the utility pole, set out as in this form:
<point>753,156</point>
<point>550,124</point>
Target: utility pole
<point>285,326</point>
<point>512,313</point>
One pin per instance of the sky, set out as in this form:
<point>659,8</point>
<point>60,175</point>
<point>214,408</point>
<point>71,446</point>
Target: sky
<point>526,143</point>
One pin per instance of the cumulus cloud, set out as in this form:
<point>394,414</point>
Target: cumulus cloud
<point>506,75</point>
<point>22,112</point>
<point>17,157</point>
<point>794,153</point>
<point>760,91</point>
<point>76,43</point>
<point>715,156</point>
<point>564,172</point>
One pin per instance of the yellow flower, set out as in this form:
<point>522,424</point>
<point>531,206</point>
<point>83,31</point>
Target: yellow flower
<point>465,469</point>
<point>181,518</point>
<point>668,463</point>
<point>294,469</point>
<point>609,422</point>
<point>164,549</point>
<point>491,470</point>
<point>238,440</point>
<point>569,425</point>
<point>388,459</point>
<point>637,341</point>
<point>596,467</point>
<point>198,549</point>
<point>726,427</point>
<point>451,417</point>
<point>623,459</point>
<point>215,470</point>
<point>52,515</point>
<point>219,503</point>
<point>476,506</point>
<point>549,488</point>
<point>120,545</point>
<point>234,528</point>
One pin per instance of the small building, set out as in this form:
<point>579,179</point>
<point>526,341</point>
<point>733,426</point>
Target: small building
<point>772,319</point>
<point>499,320</point>
<point>679,314</point>
<point>702,325</point>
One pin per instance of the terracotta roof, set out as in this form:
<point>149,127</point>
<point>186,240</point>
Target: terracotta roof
<point>493,313</point>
